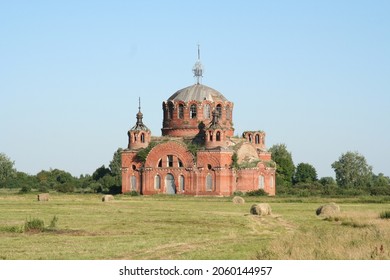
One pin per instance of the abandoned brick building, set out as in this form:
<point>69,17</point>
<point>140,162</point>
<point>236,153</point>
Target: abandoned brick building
<point>197,153</point>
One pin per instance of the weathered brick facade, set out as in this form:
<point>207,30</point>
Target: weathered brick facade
<point>197,153</point>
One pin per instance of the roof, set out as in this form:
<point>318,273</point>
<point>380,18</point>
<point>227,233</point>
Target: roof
<point>139,124</point>
<point>197,92</point>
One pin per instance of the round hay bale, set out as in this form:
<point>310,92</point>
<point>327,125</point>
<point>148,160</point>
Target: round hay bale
<point>43,197</point>
<point>328,209</point>
<point>238,200</point>
<point>107,197</point>
<point>261,209</point>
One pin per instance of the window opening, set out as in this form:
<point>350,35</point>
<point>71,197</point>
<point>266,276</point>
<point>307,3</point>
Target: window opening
<point>193,111</point>
<point>169,161</point>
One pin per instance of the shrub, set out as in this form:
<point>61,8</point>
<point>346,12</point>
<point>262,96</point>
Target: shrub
<point>238,193</point>
<point>259,192</point>
<point>132,193</point>
<point>385,215</point>
<point>25,189</point>
<point>379,190</point>
<point>35,224</point>
<point>65,188</point>
<point>115,189</point>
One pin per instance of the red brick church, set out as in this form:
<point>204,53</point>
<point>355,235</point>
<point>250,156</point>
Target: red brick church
<point>197,153</point>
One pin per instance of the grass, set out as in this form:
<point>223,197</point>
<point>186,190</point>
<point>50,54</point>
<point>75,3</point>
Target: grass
<point>385,214</point>
<point>166,227</point>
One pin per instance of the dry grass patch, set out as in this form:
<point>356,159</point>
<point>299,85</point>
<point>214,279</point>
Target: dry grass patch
<point>352,235</point>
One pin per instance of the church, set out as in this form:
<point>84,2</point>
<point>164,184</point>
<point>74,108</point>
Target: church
<point>197,153</point>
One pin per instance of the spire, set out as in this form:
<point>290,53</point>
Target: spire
<point>198,68</point>
<point>139,114</point>
<point>139,124</point>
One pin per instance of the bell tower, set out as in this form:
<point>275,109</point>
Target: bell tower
<point>139,135</point>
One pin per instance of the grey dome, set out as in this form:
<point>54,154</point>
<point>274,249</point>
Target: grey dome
<point>197,92</point>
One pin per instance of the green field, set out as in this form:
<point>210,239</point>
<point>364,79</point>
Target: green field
<point>166,227</point>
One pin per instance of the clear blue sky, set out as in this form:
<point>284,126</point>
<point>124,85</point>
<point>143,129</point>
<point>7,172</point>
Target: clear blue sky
<point>314,75</point>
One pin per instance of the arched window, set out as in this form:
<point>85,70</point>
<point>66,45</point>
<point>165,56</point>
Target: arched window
<point>250,138</point>
<point>133,181</point>
<point>219,110</point>
<point>142,138</point>
<point>209,183</point>
<point>206,111</point>
<point>181,111</point>
<point>218,136</point>
<point>160,163</point>
<point>261,182</point>
<point>170,161</point>
<point>180,163</point>
<point>181,182</point>
<point>228,113</point>
<point>257,139</point>
<point>271,182</point>
<point>157,182</point>
<point>170,110</point>
<point>193,111</point>
<point>211,136</point>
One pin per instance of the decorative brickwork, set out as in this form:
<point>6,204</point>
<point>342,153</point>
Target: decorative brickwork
<point>197,154</point>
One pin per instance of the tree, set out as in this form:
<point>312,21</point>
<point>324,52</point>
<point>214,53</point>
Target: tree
<point>116,167</point>
<point>381,180</point>
<point>7,169</point>
<point>116,163</point>
<point>284,165</point>
<point>100,173</point>
<point>305,173</point>
<point>57,179</point>
<point>352,171</point>
<point>328,181</point>
<point>22,180</point>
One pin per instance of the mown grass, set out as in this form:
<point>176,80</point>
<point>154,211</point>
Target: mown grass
<point>166,227</point>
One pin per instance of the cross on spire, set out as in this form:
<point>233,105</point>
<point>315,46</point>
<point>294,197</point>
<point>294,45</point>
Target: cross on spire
<point>198,68</point>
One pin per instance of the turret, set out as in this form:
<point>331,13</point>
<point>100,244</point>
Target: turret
<point>139,135</point>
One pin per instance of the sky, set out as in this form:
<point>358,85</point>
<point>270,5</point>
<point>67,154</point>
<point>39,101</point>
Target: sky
<point>314,75</point>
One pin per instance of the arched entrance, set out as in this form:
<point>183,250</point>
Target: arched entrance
<point>170,184</point>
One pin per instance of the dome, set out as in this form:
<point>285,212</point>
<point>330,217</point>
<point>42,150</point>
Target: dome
<point>197,92</point>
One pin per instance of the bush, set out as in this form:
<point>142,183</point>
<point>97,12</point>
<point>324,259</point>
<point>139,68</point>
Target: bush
<point>259,192</point>
<point>35,224</point>
<point>25,189</point>
<point>379,190</point>
<point>115,189</point>
<point>65,188</point>
<point>132,193</point>
<point>238,193</point>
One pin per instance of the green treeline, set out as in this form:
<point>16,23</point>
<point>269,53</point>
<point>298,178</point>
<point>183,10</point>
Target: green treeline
<point>103,179</point>
<point>353,176</point>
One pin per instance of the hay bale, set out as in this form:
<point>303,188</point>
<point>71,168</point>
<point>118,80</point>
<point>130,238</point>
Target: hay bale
<point>261,209</point>
<point>107,197</point>
<point>43,197</point>
<point>238,200</point>
<point>328,209</point>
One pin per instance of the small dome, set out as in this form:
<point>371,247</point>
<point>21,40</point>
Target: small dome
<point>197,92</point>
